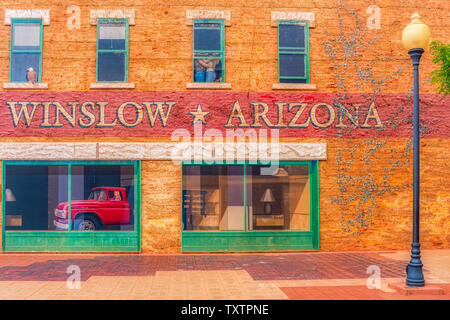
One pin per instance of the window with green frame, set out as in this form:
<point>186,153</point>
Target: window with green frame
<point>112,50</point>
<point>293,52</point>
<point>26,50</point>
<point>70,206</point>
<point>208,50</point>
<point>97,197</point>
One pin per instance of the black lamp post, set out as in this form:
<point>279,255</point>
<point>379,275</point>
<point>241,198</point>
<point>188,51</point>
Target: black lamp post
<point>415,38</point>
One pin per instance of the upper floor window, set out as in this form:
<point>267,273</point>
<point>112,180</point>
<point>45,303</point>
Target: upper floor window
<point>112,50</point>
<point>293,52</point>
<point>26,50</point>
<point>209,52</point>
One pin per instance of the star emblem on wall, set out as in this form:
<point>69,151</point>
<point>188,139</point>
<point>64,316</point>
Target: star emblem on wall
<point>199,115</point>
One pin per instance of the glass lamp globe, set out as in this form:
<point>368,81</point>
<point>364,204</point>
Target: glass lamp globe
<point>416,34</point>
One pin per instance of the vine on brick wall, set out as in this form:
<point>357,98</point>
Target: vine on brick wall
<point>360,187</point>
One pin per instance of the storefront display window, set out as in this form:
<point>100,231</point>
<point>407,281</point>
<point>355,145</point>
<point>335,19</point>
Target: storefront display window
<point>213,198</point>
<point>32,194</point>
<point>250,206</point>
<point>277,197</point>
<point>65,205</point>
<point>102,197</point>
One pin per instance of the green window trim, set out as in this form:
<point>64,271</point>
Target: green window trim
<point>222,45</point>
<point>73,240</point>
<point>247,240</point>
<point>125,51</point>
<point>12,52</point>
<point>298,50</point>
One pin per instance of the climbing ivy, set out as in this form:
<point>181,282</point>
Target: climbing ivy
<point>358,186</point>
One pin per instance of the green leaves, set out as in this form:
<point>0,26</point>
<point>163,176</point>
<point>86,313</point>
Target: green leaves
<point>441,55</point>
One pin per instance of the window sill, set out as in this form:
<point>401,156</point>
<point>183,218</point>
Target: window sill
<point>112,85</point>
<point>24,85</point>
<point>208,85</point>
<point>294,86</point>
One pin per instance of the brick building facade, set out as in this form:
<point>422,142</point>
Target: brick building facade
<point>77,119</point>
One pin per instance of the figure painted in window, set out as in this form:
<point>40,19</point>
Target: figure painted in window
<point>200,70</point>
<point>31,76</point>
<point>219,71</point>
<point>205,70</point>
<point>116,196</point>
<point>211,70</point>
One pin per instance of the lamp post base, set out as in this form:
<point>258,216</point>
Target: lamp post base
<point>414,272</point>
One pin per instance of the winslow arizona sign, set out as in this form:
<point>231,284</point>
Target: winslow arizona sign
<point>143,114</point>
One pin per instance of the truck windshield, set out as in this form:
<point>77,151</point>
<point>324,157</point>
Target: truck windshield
<point>98,195</point>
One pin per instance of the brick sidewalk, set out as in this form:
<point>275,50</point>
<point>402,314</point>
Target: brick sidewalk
<point>320,275</point>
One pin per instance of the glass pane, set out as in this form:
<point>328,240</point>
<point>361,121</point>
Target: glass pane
<point>292,65</point>
<point>20,62</point>
<point>112,36</point>
<point>102,197</point>
<point>26,36</point>
<point>36,197</point>
<point>111,66</point>
<point>291,35</point>
<point>278,197</point>
<point>208,70</point>
<point>207,36</point>
<point>213,198</point>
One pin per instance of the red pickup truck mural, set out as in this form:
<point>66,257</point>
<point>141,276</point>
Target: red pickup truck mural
<point>105,207</point>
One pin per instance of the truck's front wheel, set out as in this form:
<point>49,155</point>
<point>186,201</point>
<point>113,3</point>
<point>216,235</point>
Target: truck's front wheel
<point>86,223</point>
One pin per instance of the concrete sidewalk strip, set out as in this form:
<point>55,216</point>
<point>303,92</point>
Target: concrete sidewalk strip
<point>228,284</point>
<point>49,291</point>
<point>19,289</point>
<point>436,263</point>
<point>324,283</point>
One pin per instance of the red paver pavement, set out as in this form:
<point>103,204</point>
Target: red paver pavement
<point>293,266</point>
<point>321,275</point>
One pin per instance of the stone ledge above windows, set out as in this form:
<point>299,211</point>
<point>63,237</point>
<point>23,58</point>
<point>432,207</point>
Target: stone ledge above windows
<point>112,14</point>
<point>294,16</point>
<point>112,85</point>
<point>208,85</point>
<point>48,151</point>
<point>171,151</point>
<point>208,14</point>
<point>294,86</point>
<point>24,85</point>
<point>43,14</point>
